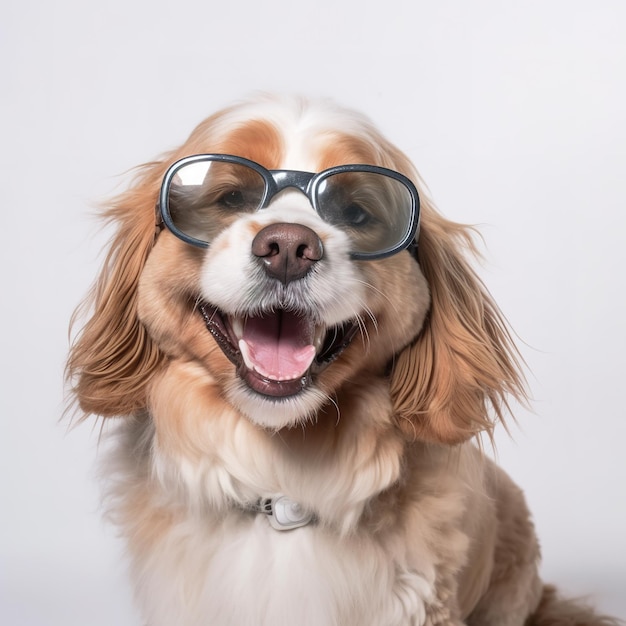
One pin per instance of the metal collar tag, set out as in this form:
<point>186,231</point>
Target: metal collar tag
<point>284,514</point>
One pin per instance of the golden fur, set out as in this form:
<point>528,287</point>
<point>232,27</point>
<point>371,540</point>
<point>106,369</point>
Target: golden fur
<point>413,525</point>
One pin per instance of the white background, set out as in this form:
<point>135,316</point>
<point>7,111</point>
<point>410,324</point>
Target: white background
<point>513,112</point>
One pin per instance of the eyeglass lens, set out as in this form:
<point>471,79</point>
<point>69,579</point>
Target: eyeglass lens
<point>373,209</point>
<point>204,197</point>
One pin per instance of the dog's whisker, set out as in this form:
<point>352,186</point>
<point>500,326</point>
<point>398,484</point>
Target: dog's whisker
<point>364,332</point>
<point>334,402</point>
<point>389,302</point>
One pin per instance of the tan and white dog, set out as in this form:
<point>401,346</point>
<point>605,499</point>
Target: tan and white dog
<point>302,356</point>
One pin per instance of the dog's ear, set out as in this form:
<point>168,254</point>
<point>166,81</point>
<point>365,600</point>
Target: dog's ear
<point>455,379</point>
<point>113,358</point>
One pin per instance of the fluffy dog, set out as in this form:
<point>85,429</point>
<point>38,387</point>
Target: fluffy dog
<point>302,358</point>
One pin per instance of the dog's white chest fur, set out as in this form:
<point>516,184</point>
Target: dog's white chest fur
<point>241,571</point>
<point>201,558</point>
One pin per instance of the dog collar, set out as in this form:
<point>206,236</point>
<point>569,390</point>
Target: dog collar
<point>284,513</point>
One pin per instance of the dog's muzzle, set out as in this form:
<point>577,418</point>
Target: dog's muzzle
<point>277,352</point>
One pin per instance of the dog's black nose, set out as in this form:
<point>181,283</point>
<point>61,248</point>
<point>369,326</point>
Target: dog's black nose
<point>287,251</point>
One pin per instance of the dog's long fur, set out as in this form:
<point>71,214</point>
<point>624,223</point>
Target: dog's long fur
<point>413,525</point>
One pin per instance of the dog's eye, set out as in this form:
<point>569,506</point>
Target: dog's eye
<point>233,199</point>
<point>355,215</point>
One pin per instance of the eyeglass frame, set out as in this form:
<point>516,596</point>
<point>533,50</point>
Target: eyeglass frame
<point>278,180</point>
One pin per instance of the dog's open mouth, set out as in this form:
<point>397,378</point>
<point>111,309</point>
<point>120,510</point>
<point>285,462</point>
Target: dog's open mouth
<point>277,353</point>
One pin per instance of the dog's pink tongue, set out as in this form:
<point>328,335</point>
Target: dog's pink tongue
<point>278,346</point>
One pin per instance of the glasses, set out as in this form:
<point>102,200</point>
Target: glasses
<point>376,207</point>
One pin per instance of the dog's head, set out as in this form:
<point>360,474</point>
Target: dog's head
<point>280,261</point>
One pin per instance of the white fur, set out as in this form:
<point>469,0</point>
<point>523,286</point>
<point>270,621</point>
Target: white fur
<point>221,564</point>
<point>241,571</point>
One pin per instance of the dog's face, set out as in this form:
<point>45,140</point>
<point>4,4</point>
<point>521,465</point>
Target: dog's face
<point>275,308</point>
<point>294,299</point>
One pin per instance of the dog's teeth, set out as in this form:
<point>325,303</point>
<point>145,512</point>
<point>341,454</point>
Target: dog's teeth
<point>318,339</point>
<point>236,323</point>
<point>245,353</point>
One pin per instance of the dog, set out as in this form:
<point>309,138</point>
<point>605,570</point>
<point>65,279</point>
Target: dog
<point>303,362</point>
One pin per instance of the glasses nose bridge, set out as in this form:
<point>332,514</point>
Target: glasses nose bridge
<point>283,179</point>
